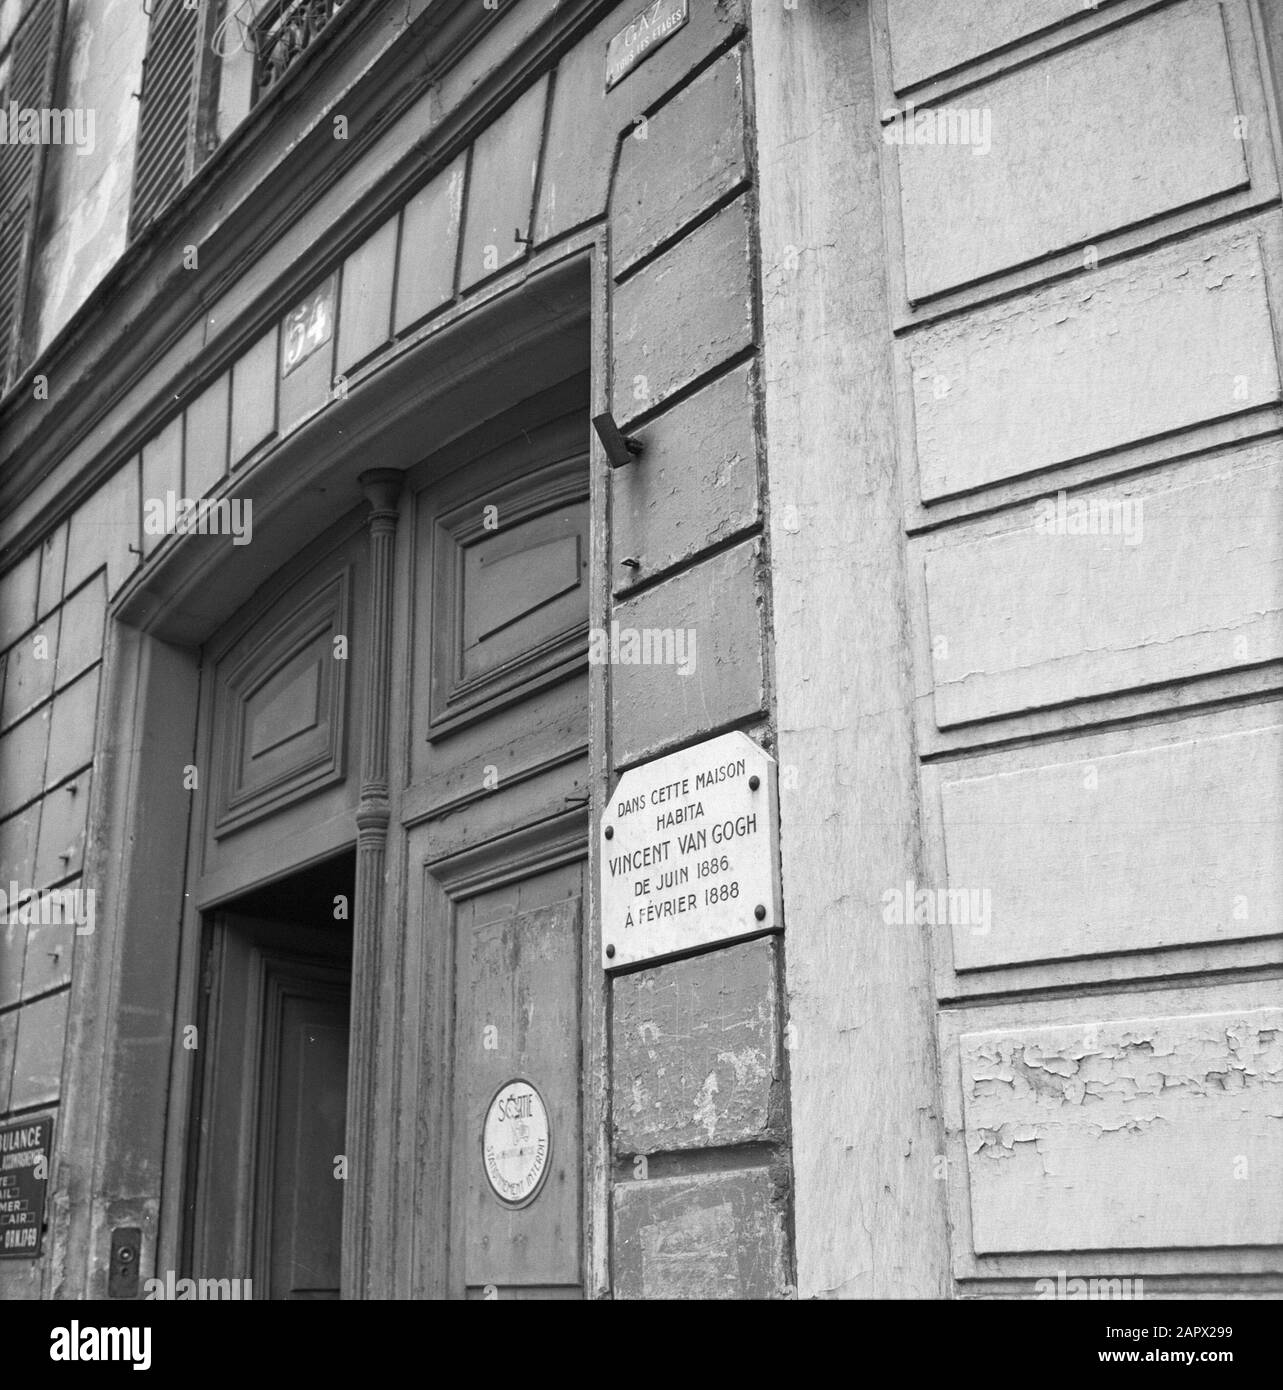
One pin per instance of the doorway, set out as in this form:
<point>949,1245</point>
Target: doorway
<point>268,1165</point>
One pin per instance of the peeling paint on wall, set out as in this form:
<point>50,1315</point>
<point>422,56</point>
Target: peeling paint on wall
<point>1074,1122</point>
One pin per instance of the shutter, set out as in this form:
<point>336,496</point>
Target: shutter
<point>32,60</point>
<point>165,120</point>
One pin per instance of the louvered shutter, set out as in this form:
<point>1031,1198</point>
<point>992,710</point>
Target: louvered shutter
<point>168,104</point>
<point>32,60</point>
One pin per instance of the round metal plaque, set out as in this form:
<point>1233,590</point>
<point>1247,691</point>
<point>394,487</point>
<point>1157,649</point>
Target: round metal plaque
<point>516,1145</point>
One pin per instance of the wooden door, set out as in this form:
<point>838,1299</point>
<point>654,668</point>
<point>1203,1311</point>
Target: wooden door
<point>269,1181</point>
<point>498,832</point>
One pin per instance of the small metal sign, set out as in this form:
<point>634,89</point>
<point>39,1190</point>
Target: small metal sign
<point>308,326</point>
<point>516,1144</point>
<point>24,1178</point>
<point>690,852</point>
<point>642,35</point>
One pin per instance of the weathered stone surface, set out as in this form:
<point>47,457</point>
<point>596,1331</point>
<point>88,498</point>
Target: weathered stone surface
<point>715,1235</point>
<point>686,156</point>
<point>17,851</point>
<point>1089,854</point>
<point>13,953</point>
<point>18,597</point>
<point>1081,368</point>
<point>932,36</point>
<point>501,187</point>
<point>429,246</point>
<point>50,949</point>
<point>71,739</point>
<point>29,671</point>
<point>8,1038</point>
<point>694,485</point>
<point>22,760</point>
<point>103,530</point>
<point>695,1049</point>
<point>60,847</point>
<point>683,314</point>
<point>713,617</point>
<point>162,474</point>
<point>254,380</point>
<point>205,442</point>
<point>1169,152</point>
<point>1029,618</point>
<point>1076,1123</point>
<point>53,565</point>
<point>80,636</point>
<point>37,1068</point>
<point>365,307</point>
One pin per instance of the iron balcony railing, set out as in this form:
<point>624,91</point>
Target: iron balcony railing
<point>283,32</point>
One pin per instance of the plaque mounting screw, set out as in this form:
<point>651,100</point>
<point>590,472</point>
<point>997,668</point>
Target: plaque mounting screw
<point>610,952</point>
<point>760,913</point>
<point>610,832</point>
<point>754,782</point>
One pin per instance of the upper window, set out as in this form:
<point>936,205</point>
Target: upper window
<point>28,125</point>
<point>208,63</point>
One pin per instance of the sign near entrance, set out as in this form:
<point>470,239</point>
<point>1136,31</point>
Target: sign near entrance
<point>24,1178</point>
<point>690,852</point>
<point>657,22</point>
<point>515,1143</point>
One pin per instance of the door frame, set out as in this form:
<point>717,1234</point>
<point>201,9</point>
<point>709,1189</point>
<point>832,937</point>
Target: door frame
<point>127,1081</point>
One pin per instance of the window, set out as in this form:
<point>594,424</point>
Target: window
<point>208,63</point>
<point>27,66</point>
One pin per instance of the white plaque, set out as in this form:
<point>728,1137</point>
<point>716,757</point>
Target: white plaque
<point>515,1143</point>
<point>690,852</point>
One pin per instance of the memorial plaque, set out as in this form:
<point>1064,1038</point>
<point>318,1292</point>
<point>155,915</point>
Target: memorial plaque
<point>690,852</point>
<point>24,1178</point>
<point>516,1143</point>
<point>640,36</point>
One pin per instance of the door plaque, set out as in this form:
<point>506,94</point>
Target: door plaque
<point>516,1143</point>
<point>690,852</point>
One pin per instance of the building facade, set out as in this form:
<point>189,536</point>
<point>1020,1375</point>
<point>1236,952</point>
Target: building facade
<point>945,336</point>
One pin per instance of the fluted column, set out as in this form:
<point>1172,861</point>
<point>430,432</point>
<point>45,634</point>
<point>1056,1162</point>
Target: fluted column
<point>382,487</point>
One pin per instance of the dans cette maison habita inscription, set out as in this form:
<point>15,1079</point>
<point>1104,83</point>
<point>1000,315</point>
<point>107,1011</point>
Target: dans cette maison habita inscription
<point>689,852</point>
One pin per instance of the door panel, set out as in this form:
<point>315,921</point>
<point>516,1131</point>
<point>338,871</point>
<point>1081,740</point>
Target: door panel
<point>267,1203</point>
<point>304,1094</point>
<point>498,724</point>
<point>518,1020</point>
